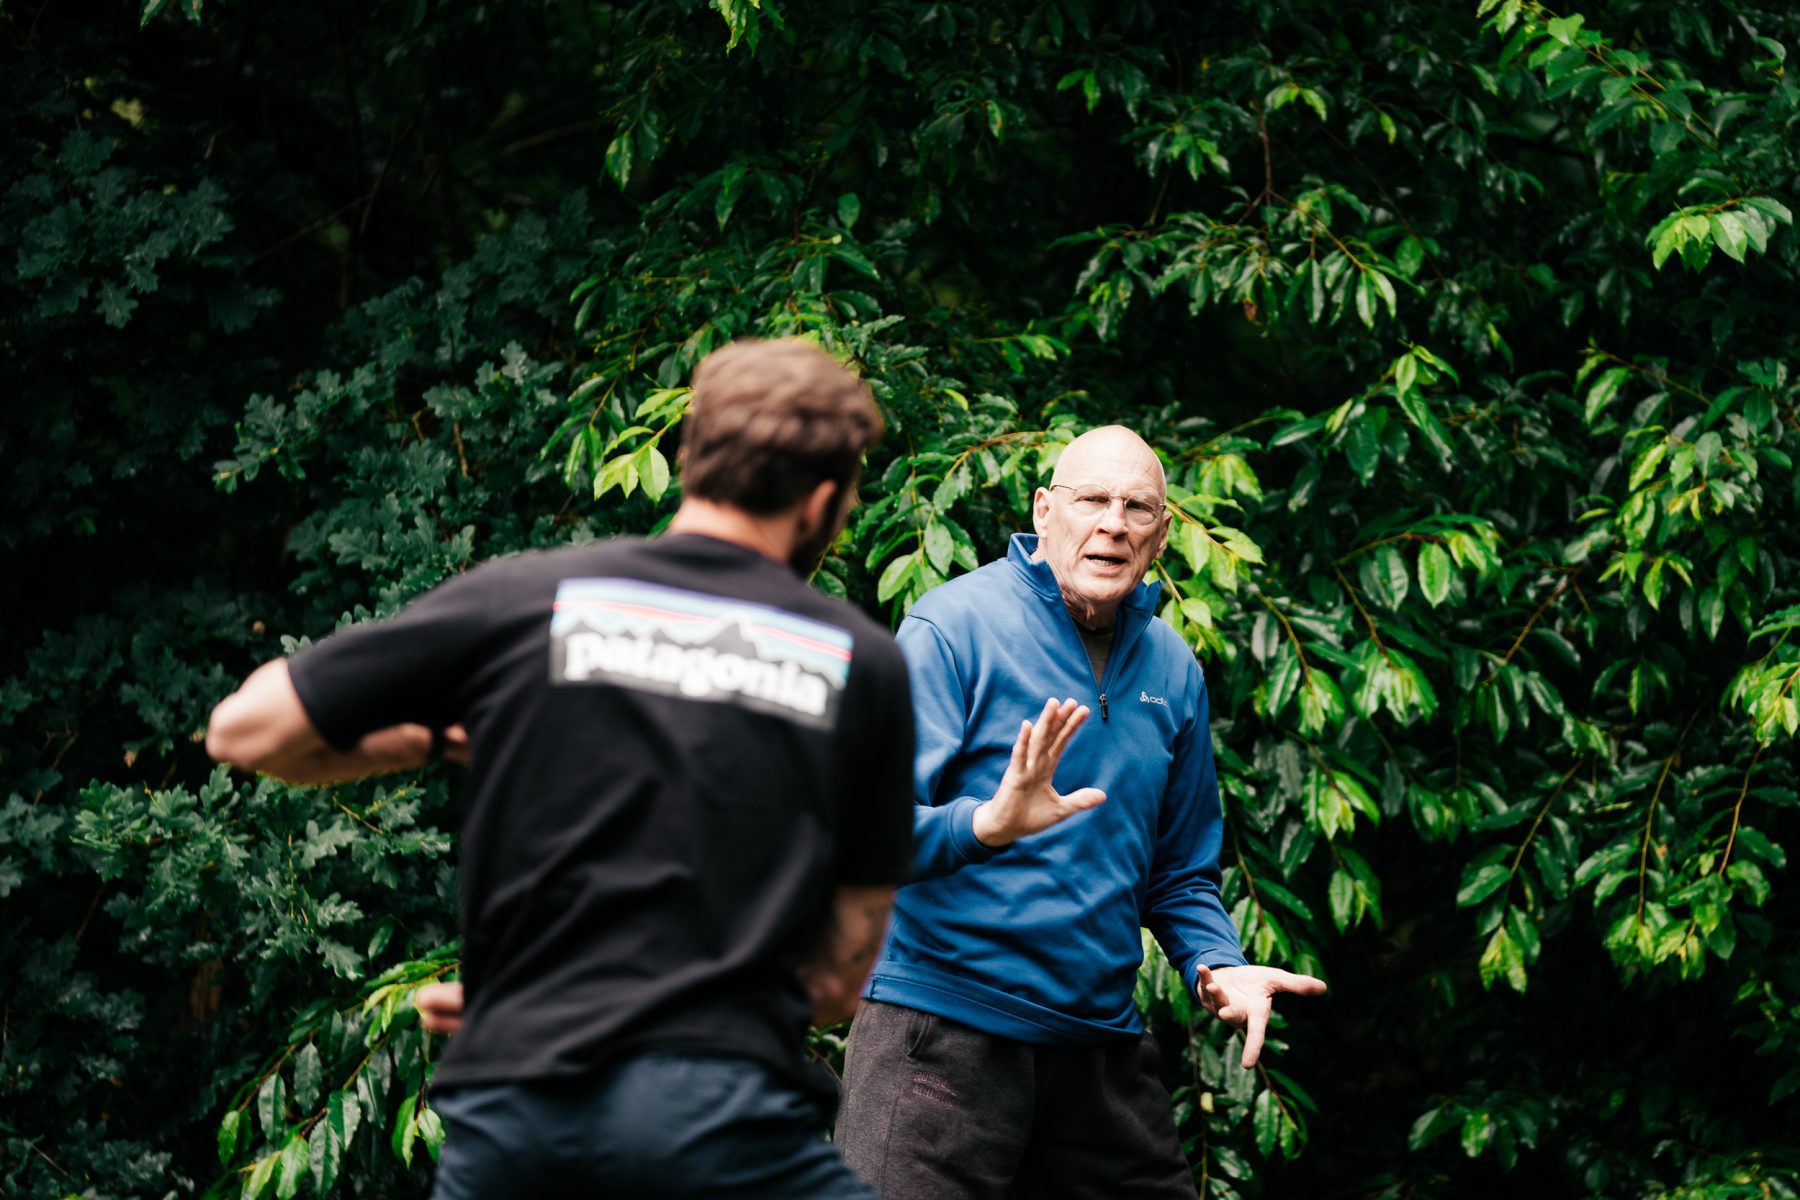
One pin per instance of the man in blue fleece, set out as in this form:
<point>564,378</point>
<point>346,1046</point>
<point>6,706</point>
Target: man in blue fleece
<point>998,1052</point>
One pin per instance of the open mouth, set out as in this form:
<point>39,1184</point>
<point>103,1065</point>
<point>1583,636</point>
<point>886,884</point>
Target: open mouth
<point>1105,560</point>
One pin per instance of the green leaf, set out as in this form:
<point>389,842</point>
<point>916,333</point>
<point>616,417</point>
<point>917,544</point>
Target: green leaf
<point>1435,573</point>
<point>1477,1132</point>
<point>229,1130</point>
<point>1265,1121</point>
<point>295,1159</point>
<point>431,1131</point>
<point>1342,895</point>
<point>653,472</point>
<point>940,547</point>
<point>306,1076</point>
<point>1478,885</point>
<point>1673,236</point>
<point>326,1145</point>
<point>1603,391</point>
<point>1563,29</point>
<point>1770,207</point>
<point>619,157</point>
<point>849,208</point>
<point>1646,464</point>
<point>1406,373</point>
<point>271,1106</point>
<point>1728,234</point>
<point>1385,286</point>
<point>262,1173</point>
<point>1386,576</point>
<point>406,1127</point>
<point>1430,1126</point>
<point>896,576</point>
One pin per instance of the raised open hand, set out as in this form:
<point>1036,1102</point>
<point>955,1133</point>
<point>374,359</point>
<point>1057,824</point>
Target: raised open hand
<point>1026,802</point>
<point>1244,996</point>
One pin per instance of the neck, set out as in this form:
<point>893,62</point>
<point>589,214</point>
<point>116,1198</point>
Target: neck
<point>1089,616</point>
<point>772,536</point>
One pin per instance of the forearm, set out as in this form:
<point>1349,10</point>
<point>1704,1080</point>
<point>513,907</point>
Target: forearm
<point>263,727</point>
<point>835,974</point>
<point>399,748</point>
<point>944,839</point>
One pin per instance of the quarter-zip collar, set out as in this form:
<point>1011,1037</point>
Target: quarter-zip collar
<point>1042,580</point>
<point>1134,612</point>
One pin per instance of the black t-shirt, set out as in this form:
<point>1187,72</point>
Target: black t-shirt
<point>679,751</point>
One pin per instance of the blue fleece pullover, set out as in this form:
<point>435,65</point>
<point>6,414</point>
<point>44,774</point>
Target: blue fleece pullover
<point>1039,941</point>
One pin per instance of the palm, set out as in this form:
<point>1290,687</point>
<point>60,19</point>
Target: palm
<point>1027,801</point>
<point>1244,997</point>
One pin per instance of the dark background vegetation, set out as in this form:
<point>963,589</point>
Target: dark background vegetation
<point>1466,331</point>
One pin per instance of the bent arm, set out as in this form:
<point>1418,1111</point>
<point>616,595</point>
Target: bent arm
<point>263,727</point>
<point>835,974</point>
<point>944,838</point>
<point>1183,906</point>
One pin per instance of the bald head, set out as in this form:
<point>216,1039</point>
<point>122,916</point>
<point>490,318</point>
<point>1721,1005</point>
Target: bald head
<point>1110,452</point>
<point>1102,521</point>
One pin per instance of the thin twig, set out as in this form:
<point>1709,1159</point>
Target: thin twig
<point>1374,632</point>
<point>1650,816</point>
<point>1523,633</point>
<point>1738,808</point>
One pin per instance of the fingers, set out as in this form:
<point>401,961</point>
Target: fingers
<point>1021,752</point>
<point>440,1007</point>
<point>456,745</point>
<point>1300,985</point>
<point>1056,724</point>
<point>1253,1035</point>
<point>1075,717</point>
<point>1213,996</point>
<point>1084,798</point>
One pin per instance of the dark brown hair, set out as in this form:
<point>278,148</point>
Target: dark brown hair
<point>769,421</point>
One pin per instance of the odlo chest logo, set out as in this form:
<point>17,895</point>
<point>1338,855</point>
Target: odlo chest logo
<point>1147,698</point>
<point>681,643</point>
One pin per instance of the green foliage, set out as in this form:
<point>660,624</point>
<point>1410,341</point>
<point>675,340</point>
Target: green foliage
<point>1483,515</point>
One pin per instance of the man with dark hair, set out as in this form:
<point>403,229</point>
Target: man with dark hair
<point>998,1053</point>
<point>690,804</point>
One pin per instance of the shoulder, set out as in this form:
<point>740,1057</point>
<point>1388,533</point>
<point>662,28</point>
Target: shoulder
<point>1174,654</point>
<point>555,561</point>
<point>986,593</point>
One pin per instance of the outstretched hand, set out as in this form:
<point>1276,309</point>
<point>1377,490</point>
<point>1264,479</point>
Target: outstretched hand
<point>1244,996</point>
<point>1026,802</point>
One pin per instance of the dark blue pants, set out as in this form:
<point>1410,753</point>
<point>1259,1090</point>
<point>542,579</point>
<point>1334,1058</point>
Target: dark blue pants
<point>658,1125</point>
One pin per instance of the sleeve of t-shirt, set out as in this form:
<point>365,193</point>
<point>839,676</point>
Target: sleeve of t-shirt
<point>408,668</point>
<point>875,810</point>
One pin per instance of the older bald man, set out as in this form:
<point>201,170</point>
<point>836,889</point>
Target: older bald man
<point>998,1052</point>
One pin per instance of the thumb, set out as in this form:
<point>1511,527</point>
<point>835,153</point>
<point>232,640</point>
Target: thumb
<point>1084,798</point>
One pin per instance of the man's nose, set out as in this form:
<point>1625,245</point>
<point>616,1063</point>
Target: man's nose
<point>1113,519</point>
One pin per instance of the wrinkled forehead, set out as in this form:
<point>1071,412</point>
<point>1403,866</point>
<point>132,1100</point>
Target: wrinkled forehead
<point>1120,464</point>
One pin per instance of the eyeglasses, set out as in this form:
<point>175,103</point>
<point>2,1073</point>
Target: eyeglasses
<point>1093,502</point>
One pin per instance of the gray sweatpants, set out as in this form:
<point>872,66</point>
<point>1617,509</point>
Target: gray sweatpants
<point>935,1110</point>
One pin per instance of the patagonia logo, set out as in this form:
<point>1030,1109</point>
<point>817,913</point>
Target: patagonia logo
<point>681,643</point>
<point>1147,698</point>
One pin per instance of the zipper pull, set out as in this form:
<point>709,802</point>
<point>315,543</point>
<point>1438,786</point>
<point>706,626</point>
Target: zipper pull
<point>1103,706</point>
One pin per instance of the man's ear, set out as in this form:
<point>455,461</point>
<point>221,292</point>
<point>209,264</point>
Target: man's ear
<point>820,507</point>
<point>1040,510</point>
<point>1162,539</point>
